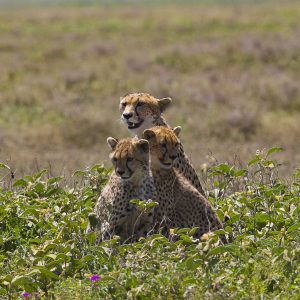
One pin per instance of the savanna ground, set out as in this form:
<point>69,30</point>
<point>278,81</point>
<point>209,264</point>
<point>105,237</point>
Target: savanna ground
<point>233,72</point>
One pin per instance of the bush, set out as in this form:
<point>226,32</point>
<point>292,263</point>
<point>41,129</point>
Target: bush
<point>45,252</point>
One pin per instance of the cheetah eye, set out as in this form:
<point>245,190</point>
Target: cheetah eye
<point>123,104</point>
<point>114,159</point>
<point>140,104</point>
<point>164,145</point>
<point>129,158</point>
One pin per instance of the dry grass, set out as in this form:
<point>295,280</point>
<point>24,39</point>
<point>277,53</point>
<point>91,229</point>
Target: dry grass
<point>232,71</point>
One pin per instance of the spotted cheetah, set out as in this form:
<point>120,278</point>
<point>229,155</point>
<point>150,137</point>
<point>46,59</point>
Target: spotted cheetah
<point>114,214</point>
<point>180,203</point>
<point>142,111</point>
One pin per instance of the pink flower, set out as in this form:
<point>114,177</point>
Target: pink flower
<point>95,277</point>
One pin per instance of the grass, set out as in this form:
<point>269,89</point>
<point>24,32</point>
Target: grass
<point>232,71</point>
<point>44,249</point>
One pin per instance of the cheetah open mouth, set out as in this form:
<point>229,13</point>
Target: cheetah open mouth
<point>166,165</point>
<point>132,125</point>
<point>125,177</point>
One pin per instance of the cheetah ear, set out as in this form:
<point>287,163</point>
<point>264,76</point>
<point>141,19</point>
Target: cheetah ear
<point>112,143</point>
<point>164,103</point>
<point>177,130</point>
<point>148,134</point>
<point>143,145</point>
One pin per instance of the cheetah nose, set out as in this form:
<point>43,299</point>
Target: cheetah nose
<point>127,115</point>
<point>120,172</point>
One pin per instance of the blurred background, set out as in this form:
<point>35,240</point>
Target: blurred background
<point>232,69</point>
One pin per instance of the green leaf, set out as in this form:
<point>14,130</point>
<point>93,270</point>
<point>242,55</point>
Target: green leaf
<point>239,173</point>
<point>51,255</point>
<point>4,166</point>
<point>30,212</point>
<point>241,237</point>
<point>136,202</point>
<point>46,273</point>
<point>53,190</point>
<point>220,231</point>
<point>253,161</point>
<point>91,237</point>
<point>186,238</point>
<point>293,227</point>
<point>193,231</point>
<point>233,249</point>
<point>88,258</point>
<point>193,263</point>
<point>274,150</point>
<point>233,219</point>
<point>98,168</point>
<point>54,263</point>
<point>21,280</point>
<point>50,246</point>
<point>152,204</point>
<point>182,230</point>
<point>39,188</point>
<point>21,182</point>
<point>224,168</point>
<point>261,217</point>
<point>269,164</point>
<point>6,280</point>
<point>78,173</point>
<point>39,175</point>
<point>34,272</point>
<point>54,180</point>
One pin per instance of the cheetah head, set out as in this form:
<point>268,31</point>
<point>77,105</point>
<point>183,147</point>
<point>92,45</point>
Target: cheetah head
<point>164,145</point>
<point>129,157</point>
<point>140,110</point>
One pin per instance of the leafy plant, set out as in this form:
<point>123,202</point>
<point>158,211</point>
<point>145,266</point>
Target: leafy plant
<point>45,251</point>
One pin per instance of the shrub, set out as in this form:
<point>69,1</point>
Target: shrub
<point>45,252</point>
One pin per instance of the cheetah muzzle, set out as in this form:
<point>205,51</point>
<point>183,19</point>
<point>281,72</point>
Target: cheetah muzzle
<point>132,125</point>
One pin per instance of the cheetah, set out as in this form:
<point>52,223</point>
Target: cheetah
<point>142,111</point>
<point>114,214</point>
<point>180,203</point>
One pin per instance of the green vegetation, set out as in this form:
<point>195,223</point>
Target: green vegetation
<point>44,248</point>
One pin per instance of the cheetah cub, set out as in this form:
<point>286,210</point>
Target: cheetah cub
<point>142,111</point>
<point>114,214</point>
<point>180,204</point>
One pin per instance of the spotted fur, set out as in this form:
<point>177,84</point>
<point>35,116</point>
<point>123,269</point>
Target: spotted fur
<point>114,214</point>
<point>142,111</point>
<point>180,204</point>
